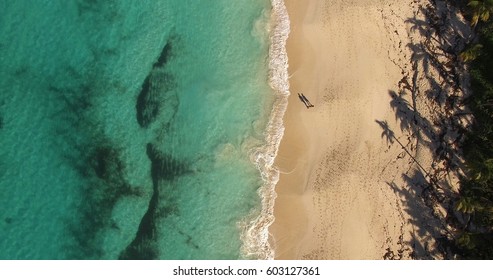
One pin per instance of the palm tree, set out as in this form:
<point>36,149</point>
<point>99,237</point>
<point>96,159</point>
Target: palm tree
<point>467,205</point>
<point>465,240</point>
<point>471,53</point>
<point>481,10</point>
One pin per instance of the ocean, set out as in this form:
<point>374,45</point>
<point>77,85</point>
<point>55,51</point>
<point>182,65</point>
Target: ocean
<point>140,129</point>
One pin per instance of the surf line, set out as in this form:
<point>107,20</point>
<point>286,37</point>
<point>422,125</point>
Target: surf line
<point>255,234</point>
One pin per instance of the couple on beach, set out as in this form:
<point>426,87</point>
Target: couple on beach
<point>305,100</point>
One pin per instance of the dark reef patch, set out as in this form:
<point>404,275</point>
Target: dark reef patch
<point>106,186</point>
<point>96,158</point>
<point>164,56</point>
<point>105,162</point>
<point>154,88</point>
<point>142,247</point>
<point>75,97</point>
<point>147,106</point>
<point>152,97</point>
<point>163,168</point>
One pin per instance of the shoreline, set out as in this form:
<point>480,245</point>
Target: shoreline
<point>345,190</point>
<point>255,229</point>
<point>293,155</point>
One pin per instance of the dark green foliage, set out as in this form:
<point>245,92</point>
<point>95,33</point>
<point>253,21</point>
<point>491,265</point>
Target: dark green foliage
<point>476,194</point>
<point>481,10</point>
<point>475,246</point>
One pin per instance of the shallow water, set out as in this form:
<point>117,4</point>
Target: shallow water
<point>127,129</point>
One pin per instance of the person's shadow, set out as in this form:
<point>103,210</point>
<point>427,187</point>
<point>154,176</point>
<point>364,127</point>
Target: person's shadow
<point>305,100</point>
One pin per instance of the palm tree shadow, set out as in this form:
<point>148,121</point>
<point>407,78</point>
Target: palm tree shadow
<point>411,120</point>
<point>429,108</point>
<point>387,133</point>
<point>420,204</point>
<point>403,111</point>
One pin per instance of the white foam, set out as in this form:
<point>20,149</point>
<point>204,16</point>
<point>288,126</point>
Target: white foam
<point>255,234</point>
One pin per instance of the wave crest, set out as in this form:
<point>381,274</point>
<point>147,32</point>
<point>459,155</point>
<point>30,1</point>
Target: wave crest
<point>256,235</point>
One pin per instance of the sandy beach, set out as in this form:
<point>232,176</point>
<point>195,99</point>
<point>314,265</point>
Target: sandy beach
<point>356,166</point>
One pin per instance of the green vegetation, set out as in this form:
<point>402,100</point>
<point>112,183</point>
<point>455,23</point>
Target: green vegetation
<point>481,10</point>
<point>476,193</point>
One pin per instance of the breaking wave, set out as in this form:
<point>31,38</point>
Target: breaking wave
<point>256,230</point>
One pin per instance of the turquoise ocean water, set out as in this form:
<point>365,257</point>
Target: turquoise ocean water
<point>136,129</point>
